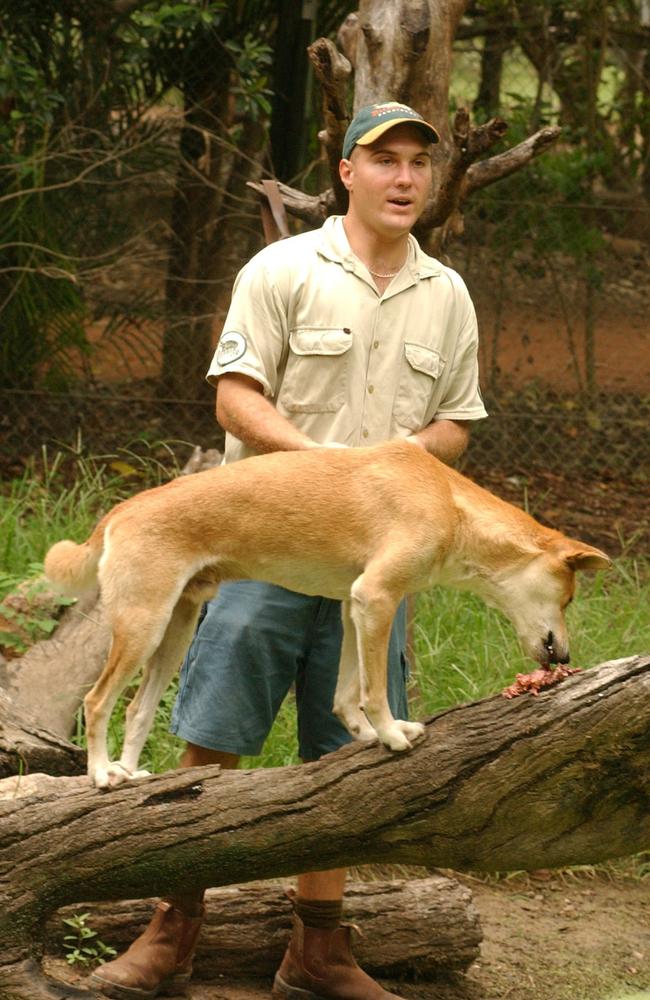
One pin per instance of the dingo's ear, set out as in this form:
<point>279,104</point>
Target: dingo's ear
<point>578,555</point>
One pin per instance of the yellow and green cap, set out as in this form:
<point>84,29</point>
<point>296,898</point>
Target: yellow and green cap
<point>372,121</point>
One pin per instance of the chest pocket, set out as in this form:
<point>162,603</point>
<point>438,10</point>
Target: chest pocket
<point>316,376</point>
<point>420,372</point>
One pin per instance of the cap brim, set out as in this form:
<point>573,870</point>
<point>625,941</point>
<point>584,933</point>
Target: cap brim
<point>378,130</point>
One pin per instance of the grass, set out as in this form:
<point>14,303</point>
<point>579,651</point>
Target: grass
<point>63,495</point>
<point>462,650</point>
<point>465,651</point>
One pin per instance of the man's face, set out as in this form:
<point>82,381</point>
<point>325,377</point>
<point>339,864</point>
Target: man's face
<point>389,181</point>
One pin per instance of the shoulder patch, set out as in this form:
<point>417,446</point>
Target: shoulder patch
<point>232,346</point>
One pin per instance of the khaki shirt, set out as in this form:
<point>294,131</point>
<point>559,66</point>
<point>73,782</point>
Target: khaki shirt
<point>342,361</point>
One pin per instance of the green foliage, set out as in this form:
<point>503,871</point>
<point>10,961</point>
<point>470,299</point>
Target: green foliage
<point>32,103</point>
<point>74,87</point>
<point>82,945</point>
<point>37,621</point>
<point>252,59</point>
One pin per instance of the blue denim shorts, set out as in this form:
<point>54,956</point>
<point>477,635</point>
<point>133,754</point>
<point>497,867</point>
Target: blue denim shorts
<point>255,640</point>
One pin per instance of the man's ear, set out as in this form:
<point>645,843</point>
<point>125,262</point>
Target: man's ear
<point>345,173</point>
<point>580,556</point>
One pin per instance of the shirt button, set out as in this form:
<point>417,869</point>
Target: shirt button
<point>376,344</point>
<point>365,434</point>
<point>371,388</point>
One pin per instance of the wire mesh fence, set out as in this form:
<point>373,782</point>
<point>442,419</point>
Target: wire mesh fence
<point>556,265</point>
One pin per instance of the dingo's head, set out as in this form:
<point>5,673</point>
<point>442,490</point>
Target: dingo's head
<point>535,592</point>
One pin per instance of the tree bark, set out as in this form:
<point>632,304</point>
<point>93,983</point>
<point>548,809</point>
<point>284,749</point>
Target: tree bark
<point>418,927</point>
<point>555,780</point>
<point>26,746</point>
<point>51,679</point>
<point>333,71</point>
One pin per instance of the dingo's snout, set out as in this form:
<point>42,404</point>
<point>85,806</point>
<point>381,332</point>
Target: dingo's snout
<point>553,650</point>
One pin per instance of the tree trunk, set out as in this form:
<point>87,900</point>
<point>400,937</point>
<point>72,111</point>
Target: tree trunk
<point>545,781</point>
<point>403,51</point>
<point>290,114</point>
<point>497,40</point>
<point>420,927</point>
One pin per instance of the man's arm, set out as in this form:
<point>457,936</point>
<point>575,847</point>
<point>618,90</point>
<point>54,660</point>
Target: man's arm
<point>243,411</point>
<point>446,439</point>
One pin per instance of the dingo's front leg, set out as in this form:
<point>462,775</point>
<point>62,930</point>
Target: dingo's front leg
<point>347,697</point>
<point>373,611</point>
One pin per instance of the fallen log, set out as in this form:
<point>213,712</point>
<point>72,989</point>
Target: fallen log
<point>534,782</point>
<point>51,679</point>
<point>26,746</point>
<point>410,927</point>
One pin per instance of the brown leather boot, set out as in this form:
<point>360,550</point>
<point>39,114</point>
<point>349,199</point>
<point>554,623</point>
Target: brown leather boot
<point>318,965</point>
<point>158,963</point>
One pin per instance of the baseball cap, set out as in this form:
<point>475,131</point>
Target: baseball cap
<point>373,120</point>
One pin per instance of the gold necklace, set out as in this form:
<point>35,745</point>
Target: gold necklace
<point>378,274</point>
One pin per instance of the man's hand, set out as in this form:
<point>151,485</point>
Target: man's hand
<point>446,439</point>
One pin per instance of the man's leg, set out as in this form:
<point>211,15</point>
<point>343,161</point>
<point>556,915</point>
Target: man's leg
<point>318,962</point>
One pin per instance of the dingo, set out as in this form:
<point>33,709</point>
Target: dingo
<point>364,525</point>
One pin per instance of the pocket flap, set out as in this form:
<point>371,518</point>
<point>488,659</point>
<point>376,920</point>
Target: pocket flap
<point>325,340</point>
<point>424,359</point>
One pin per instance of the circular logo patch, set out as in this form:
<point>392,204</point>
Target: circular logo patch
<point>232,346</point>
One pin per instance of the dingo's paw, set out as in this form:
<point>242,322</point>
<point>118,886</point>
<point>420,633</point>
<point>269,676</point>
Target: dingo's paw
<point>401,735</point>
<point>114,774</point>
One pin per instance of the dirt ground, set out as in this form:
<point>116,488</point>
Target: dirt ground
<point>550,936</point>
<point>563,937</point>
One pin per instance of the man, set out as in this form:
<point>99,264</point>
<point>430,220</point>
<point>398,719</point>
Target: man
<point>345,336</point>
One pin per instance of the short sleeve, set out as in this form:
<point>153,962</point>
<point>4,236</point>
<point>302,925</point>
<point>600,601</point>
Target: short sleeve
<point>462,399</point>
<point>254,334</point>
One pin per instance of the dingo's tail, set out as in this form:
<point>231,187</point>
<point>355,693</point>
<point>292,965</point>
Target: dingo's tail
<point>72,568</point>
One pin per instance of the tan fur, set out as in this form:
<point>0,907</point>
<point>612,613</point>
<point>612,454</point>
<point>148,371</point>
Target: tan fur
<point>366,526</point>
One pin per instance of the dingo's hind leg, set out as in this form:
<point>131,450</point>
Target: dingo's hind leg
<point>136,635</point>
<point>158,673</point>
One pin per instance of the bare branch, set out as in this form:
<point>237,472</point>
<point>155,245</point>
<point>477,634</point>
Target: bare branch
<point>333,71</point>
<point>469,143</point>
<point>486,172</point>
<point>312,209</point>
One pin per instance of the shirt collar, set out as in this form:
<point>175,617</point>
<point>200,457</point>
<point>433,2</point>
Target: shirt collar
<point>334,246</point>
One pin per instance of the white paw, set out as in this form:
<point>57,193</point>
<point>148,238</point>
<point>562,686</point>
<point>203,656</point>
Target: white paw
<point>112,775</point>
<point>99,777</point>
<point>401,735</point>
<point>412,730</point>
